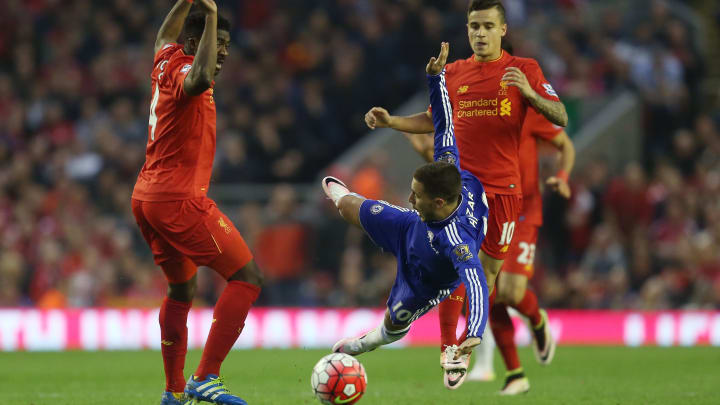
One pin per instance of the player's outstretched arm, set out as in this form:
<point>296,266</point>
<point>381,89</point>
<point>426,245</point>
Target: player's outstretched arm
<point>203,67</point>
<point>173,24</point>
<point>420,123</point>
<point>559,182</point>
<point>444,138</point>
<point>422,144</point>
<point>553,110</point>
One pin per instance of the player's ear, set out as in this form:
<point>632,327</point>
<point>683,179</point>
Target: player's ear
<point>503,28</point>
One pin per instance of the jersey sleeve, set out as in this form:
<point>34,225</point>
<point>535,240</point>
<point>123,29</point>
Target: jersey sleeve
<point>444,139</point>
<point>538,81</point>
<point>462,250</point>
<point>178,69</point>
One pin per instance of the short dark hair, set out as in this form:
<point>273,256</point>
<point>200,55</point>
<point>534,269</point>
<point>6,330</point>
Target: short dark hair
<point>486,4</point>
<point>439,179</point>
<point>195,25</point>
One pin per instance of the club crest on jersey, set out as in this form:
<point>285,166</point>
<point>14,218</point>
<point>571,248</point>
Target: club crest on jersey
<point>505,107</point>
<point>447,157</point>
<point>224,225</point>
<point>503,88</point>
<point>463,252</point>
<point>212,99</point>
<point>376,209</point>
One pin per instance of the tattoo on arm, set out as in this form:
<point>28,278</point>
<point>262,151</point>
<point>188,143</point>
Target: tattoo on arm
<point>554,111</point>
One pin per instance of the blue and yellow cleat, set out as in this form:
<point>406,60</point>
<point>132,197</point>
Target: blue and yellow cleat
<point>211,390</point>
<point>174,398</point>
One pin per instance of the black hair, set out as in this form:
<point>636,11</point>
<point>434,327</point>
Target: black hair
<point>440,179</point>
<point>486,4</point>
<point>195,25</point>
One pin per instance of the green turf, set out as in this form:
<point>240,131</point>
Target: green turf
<point>579,375</point>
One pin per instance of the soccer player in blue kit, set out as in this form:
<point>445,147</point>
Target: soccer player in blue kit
<point>435,244</point>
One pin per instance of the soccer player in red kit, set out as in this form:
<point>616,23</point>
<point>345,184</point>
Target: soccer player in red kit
<point>518,269</point>
<point>490,93</point>
<point>183,227</point>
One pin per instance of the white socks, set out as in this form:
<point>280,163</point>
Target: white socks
<point>381,336</point>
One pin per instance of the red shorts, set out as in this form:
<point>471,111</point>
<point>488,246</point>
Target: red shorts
<point>502,217</point>
<point>189,233</point>
<point>522,250</point>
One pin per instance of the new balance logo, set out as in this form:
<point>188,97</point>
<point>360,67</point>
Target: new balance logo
<point>167,343</point>
<point>462,89</point>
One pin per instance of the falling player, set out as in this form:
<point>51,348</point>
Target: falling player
<point>182,226</point>
<point>436,244</point>
<point>490,93</point>
<point>518,269</point>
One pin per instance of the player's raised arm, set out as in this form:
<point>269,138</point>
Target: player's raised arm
<point>204,65</point>
<point>173,24</point>
<point>444,138</point>
<point>532,88</point>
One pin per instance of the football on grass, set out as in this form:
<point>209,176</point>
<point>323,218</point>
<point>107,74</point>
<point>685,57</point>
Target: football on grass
<point>338,378</point>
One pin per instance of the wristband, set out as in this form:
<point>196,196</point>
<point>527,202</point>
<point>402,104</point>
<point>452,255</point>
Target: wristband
<point>562,174</point>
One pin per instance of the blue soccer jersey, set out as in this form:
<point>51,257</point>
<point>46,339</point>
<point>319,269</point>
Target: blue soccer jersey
<point>435,257</point>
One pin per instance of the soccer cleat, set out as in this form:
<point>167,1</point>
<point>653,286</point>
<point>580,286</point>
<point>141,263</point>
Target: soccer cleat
<point>174,398</point>
<point>455,371</point>
<point>543,343</point>
<point>334,188</point>
<point>351,346</point>
<point>212,389</point>
<point>515,384</point>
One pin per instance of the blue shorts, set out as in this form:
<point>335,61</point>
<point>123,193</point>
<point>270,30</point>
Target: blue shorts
<point>389,227</point>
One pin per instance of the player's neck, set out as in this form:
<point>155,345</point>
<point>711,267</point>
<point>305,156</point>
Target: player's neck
<point>446,211</point>
<point>489,58</point>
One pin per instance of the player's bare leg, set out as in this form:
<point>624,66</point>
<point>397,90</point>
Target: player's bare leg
<point>386,333</point>
<point>492,267</point>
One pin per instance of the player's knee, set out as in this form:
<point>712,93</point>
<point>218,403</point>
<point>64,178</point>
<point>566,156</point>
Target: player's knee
<point>515,295</point>
<point>250,273</point>
<point>184,292</point>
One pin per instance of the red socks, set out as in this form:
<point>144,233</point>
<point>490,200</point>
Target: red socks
<point>528,306</point>
<point>504,333</point>
<point>173,332</point>
<point>228,320</point>
<point>449,313</point>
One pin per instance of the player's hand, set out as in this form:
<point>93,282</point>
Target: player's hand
<point>467,346</point>
<point>207,6</point>
<point>515,77</point>
<point>559,186</point>
<point>377,117</point>
<point>436,65</point>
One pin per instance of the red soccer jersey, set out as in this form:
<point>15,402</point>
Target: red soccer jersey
<point>181,134</point>
<point>488,117</point>
<point>535,127</point>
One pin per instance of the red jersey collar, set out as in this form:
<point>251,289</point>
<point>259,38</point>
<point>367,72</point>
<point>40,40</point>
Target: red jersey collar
<point>503,55</point>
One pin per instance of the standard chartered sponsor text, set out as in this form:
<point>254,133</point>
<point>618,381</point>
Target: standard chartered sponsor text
<point>469,108</point>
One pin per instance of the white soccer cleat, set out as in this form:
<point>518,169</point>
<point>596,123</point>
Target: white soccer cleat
<point>543,343</point>
<point>351,346</point>
<point>519,384</point>
<point>334,188</point>
<point>455,371</point>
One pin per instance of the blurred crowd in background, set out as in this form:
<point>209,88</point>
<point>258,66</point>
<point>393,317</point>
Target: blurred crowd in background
<point>74,102</point>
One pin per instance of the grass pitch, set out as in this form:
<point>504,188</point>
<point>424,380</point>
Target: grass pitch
<point>578,375</point>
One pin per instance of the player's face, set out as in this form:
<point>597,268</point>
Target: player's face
<point>485,32</point>
<point>223,44</point>
<point>421,202</point>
